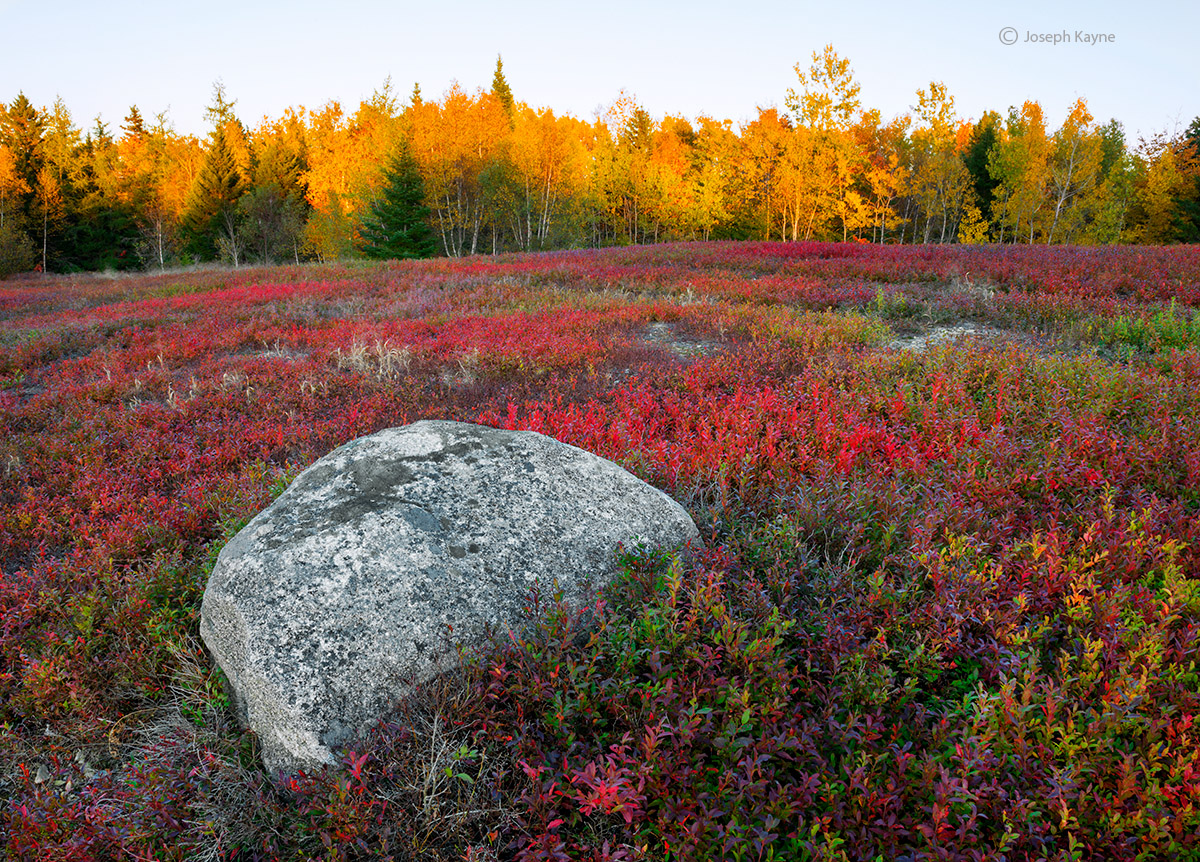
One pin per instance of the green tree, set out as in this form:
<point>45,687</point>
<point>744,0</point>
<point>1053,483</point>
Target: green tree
<point>502,92</point>
<point>211,218</point>
<point>397,226</point>
<point>17,253</point>
<point>984,136</point>
<point>327,235</point>
<point>101,232</point>
<point>1187,200</point>
<point>220,112</point>
<point>1167,180</point>
<point>1108,203</point>
<point>273,211</point>
<point>1019,162</point>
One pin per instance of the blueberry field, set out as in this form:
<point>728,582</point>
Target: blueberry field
<point>947,605</point>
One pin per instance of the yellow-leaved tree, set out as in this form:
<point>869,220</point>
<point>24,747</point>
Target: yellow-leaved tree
<point>1074,169</point>
<point>1020,162</point>
<point>940,179</point>
<point>822,161</point>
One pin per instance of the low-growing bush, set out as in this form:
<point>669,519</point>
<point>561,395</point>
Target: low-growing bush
<point>946,606</point>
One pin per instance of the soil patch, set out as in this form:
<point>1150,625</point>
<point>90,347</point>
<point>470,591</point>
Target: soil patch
<point>952,333</point>
<point>668,337</point>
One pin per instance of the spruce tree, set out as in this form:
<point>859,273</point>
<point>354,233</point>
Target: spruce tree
<point>1187,199</point>
<point>398,227</point>
<point>502,91</point>
<point>212,207</point>
<point>23,134</point>
<point>17,253</point>
<point>274,210</point>
<point>134,126</point>
<point>975,157</point>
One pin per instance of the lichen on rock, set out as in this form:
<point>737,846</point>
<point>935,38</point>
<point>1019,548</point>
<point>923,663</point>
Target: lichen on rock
<point>357,581</point>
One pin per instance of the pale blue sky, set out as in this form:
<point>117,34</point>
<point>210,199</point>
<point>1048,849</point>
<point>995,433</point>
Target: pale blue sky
<point>721,59</point>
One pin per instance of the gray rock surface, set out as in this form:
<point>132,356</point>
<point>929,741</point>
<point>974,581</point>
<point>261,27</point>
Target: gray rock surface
<point>326,607</point>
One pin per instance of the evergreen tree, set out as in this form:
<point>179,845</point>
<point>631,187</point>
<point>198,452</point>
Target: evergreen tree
<point>22,133</point>
<point>274,211</point>
<point>17,253</point>
<point>102,235</point>
<point>220,111</point>
<point>210,219</point>
<point>100,232</point>
<point>501,90</point>
<point>983,138</point>
<point>398,226</point>
<point>134,126</point>
<point>1187,201</point>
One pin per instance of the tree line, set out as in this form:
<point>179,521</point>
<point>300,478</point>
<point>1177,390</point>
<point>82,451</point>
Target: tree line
<point>482,172</point>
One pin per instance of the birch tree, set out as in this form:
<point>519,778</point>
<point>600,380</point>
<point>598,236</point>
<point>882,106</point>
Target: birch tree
<point>940,179</point>
<point>1074,167</point>
<point>1020,164</point>
<point>822,161</point>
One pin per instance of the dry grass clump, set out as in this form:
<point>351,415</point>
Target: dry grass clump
<point>379,360</point>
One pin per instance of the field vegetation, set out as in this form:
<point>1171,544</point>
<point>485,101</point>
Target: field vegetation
<point>947,607</point>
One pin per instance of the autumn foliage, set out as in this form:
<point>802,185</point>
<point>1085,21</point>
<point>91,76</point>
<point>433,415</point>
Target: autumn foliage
<point>946,607</point>
<point>500,175</point>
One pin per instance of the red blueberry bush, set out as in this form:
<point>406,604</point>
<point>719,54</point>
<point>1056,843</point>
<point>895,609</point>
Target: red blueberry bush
<point>947,605</point>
